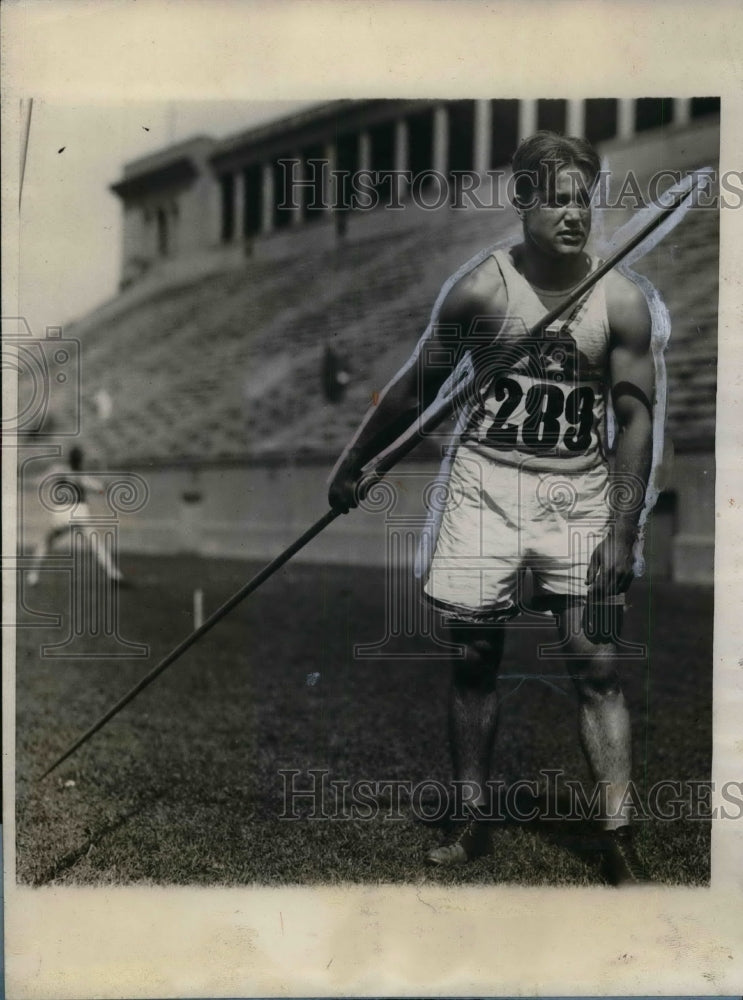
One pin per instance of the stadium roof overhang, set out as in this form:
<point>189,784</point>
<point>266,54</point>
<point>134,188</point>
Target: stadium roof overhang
<point>176,173</point>
<point>322,123</point>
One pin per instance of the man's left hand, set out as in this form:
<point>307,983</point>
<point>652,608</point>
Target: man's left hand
<point>610,568</point>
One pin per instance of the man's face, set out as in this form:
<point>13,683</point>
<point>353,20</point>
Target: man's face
<point>560,220</point>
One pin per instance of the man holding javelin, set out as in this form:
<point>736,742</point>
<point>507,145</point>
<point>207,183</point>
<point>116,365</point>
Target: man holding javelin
<point>530,484</point>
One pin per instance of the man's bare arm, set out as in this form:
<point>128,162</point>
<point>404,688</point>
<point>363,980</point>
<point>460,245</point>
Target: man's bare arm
<point>632,373</point>
<point>410,392</point>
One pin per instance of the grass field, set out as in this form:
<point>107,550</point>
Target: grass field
<point>184,785</point>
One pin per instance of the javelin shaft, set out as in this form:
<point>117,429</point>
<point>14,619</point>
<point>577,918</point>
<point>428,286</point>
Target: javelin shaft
<point>194,636</point>
<point>376,471</point>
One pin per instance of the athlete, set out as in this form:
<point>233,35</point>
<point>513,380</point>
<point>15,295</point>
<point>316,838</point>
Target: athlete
<point>72,484</point>
<point>530,484</point>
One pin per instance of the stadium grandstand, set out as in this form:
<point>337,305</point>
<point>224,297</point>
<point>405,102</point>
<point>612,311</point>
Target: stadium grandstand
<point>252,329</point>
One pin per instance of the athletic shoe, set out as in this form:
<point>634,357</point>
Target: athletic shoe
<point>622,866</point>
<point>471,840</point>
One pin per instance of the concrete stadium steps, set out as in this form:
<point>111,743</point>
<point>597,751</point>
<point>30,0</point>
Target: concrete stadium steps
<point>684,269</point>
<point>375,324</point>
<point>228,365</point>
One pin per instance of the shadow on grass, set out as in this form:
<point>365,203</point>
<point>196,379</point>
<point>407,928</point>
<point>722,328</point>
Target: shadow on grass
<point>95,837</point>
<point>545,815</point>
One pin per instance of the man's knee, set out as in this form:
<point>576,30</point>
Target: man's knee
<point>483,649</point>
<point>596,678</point>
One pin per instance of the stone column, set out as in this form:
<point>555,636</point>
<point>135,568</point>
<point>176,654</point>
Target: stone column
<point>268,198</point>
<point>402,155</point>
<point>440,153</point>
<point>212,220</point>
<point>238,205</point>
<point>681,111</point>
<point>330,155</point>
<point>483,136</point>
<point>626,118</point>
<point>298,194</point>
<point>576,118</point>
<point>174,217</point>
<point>150,233</point>
<point>527,118</point>
<point>365,151</point>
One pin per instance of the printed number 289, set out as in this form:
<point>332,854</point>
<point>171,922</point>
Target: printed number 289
<point>550,415</point>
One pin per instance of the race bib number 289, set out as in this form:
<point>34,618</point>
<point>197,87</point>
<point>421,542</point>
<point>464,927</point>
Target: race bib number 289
<point>540,416</point>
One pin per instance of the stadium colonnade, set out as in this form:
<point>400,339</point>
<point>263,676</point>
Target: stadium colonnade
<point>205,193</point>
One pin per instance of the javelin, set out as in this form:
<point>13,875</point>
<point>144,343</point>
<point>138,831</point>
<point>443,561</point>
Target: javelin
<point>378,468</point>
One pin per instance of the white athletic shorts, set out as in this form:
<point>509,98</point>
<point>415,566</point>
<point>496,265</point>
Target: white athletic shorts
<point>499,520</point>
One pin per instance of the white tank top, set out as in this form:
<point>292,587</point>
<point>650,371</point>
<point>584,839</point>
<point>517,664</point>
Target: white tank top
<point>545,407</point>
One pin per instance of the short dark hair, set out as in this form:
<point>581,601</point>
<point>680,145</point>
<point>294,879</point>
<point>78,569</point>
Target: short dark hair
<point>76,457</point>
<point>540,156</point>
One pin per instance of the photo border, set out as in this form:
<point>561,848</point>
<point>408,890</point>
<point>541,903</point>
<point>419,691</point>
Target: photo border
<point>412,940</point>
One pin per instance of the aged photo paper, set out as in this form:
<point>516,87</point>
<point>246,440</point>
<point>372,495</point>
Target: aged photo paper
<point>185,357</point>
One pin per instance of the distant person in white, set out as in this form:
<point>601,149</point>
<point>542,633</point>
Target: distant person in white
<point>71,483</point>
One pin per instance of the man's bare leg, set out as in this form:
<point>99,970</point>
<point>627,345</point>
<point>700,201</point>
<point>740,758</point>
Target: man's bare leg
<point>473,705</point>
<point>603,717</point>
<point>42,550</point>
<point>605,734</point>
<point>102,554</point>
<point>472,725</point>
